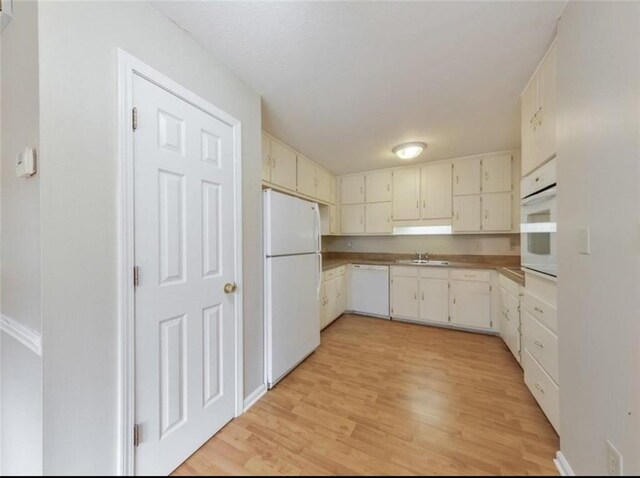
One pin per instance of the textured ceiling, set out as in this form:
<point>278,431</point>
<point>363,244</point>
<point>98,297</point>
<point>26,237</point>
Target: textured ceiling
<point>345,82</point>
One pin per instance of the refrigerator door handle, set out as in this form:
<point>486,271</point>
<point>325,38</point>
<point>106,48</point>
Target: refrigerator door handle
<point>318,228</point>
<point>319,275</point>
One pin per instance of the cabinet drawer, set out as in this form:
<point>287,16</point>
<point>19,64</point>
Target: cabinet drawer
<point>404,271</point>
<point>473,275</point>
<point>541,343</point>
<point>340,271</point>
<point>433,273</point>
<point>328,275</point>
<point>542,311</point>
<point>544,390</point>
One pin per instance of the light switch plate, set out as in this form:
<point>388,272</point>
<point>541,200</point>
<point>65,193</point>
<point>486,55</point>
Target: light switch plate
<point>584,240</point>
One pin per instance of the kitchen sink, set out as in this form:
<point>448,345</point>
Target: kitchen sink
<point>423,262</point>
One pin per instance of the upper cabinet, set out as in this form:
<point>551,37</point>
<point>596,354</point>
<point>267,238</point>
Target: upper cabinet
<point>352,189</point>
<point>266,158</point>
<point>490,207</point>
<point>467,177</point>
<point>324,190</point>
<point>496,174</point>
<point>283,168</point>
<point>538,106</point>
<point>406,194</point>
<point>378,186</point>
<point>436,190</point>
<point>306,177</point>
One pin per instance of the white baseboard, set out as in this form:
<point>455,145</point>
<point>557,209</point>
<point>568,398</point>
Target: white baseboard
<point>23,334</point>
<point>563,465</point>
<point>256,395</point>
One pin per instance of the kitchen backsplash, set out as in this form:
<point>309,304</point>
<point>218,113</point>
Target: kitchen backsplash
<point>503,244</point>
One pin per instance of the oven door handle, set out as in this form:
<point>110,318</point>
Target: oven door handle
<point>539,197</point>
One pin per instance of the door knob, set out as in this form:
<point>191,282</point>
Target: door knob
<point>230,288</point>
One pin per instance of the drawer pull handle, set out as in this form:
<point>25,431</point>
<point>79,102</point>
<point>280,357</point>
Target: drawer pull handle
<point>538,344</point>
<point>539,388</point>
<point>538,309</point>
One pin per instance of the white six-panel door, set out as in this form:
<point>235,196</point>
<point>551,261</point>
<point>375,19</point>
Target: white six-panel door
<point>184,249</point>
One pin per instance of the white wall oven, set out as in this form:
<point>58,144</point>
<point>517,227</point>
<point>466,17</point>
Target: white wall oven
<point>539,220</point>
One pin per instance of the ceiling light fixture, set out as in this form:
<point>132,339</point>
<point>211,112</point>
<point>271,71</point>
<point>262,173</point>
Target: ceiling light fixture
<point>409,150</point>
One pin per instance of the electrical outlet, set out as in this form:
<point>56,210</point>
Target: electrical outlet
<point>478,245</point>
<point>349,244</point>
<point>614,460</point>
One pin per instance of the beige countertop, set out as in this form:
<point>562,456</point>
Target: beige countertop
<point>505,265</point>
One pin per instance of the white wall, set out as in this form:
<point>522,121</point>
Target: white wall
<point>598,81</point>
<point>78,42</point>
<point>505,244</point>
<point>21,369</point>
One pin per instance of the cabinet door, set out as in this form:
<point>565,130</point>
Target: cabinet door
<point>333,220</point>
<point>513,310</point>
<point>378,186</point>
<point>470,304</point>
<point>378,218</point>
<point>283,166</point>
<point>323,307</point>
<point>435,190</point>
<point>496,212</point>
<point>404,297</point>
<point>434,300</point>
<point>266,158</point>
<point>352,189</point>
<point>406,194</point>
<point>504,318</point>
<point>332,189</point>
<point>341,295</point>
<point>330,293</point>
<point>466,213</point>
<point>352,219</point>
<point>466,177</point>
<point>529,108</point>
<point>306,177</point>
<point>547,104</point>
<point>323,185</point>
<point>496,174</point>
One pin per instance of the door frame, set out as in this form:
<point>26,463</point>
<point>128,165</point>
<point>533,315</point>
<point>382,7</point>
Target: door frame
<point>128,66</point>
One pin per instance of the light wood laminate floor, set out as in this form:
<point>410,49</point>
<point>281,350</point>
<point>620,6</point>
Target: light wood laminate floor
<point>381,397</point>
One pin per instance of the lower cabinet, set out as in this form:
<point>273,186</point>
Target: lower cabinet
<point>540,344</point>
<point>404,293</point>
<point>333,300</point>
<point>510,315</point>
<point>470,304</point>
<point>456,297</point>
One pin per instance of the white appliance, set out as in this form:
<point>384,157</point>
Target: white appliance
<point>369,290</point>
<point>539,220</point>
<point>293,273</point>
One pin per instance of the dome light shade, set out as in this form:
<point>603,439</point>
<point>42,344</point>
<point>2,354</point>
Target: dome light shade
<point>409,150</point>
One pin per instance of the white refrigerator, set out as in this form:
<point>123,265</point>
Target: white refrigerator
<point>293,273</point>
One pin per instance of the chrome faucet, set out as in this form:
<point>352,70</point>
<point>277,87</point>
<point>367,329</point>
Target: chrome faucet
<point>423,254</point>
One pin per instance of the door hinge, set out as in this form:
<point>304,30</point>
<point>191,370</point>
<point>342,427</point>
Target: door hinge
<point>490,288</point>
<point>136,276</point>
<point>491,323</point>
<point>134,118</point>
<point>136,435</point>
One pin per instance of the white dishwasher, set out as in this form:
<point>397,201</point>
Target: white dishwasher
<point>370,290</point>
